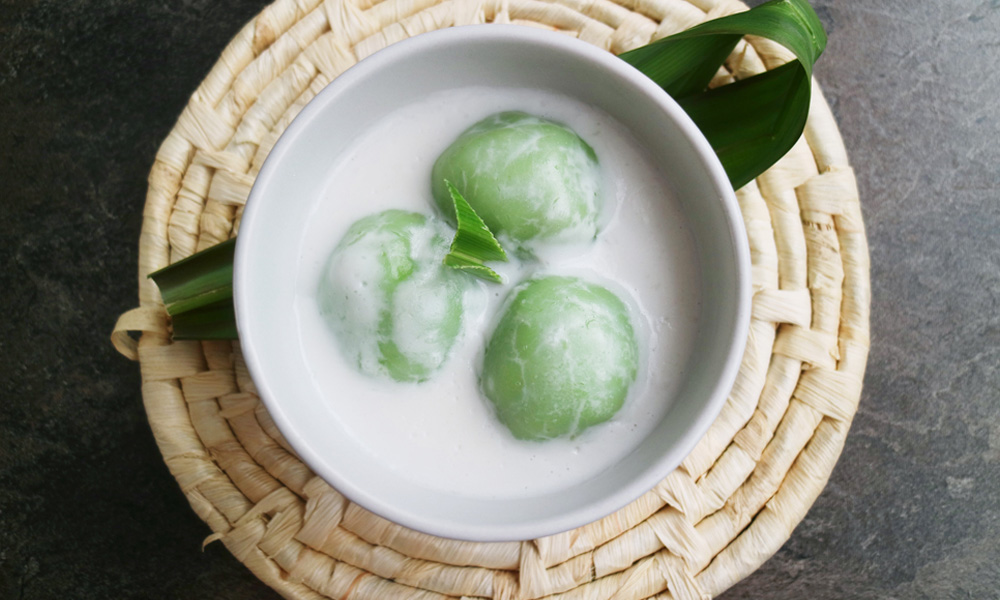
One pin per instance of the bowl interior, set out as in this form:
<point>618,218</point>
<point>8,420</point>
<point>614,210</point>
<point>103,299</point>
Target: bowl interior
<point>296,173</point>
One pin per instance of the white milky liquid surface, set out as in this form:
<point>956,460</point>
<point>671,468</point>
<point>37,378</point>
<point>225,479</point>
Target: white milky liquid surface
<point>441,433</point>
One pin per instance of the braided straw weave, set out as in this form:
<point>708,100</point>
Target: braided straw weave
<point>722,513</point>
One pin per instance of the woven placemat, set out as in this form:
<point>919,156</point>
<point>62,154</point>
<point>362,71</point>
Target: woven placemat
<point>731,504</point>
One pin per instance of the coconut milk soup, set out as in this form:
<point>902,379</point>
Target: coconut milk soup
<point>442,433</point>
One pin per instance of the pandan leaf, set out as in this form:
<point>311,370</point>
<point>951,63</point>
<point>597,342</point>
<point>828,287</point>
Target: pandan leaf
<point>201,279</point>
<point>211,322</point>
<point>753,122</point>
<point>198,294</point>
<point>474,243</point>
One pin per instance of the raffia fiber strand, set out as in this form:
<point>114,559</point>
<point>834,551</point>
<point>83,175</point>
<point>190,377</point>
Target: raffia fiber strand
<point>730,505</point>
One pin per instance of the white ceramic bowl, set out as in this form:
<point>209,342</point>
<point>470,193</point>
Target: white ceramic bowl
<point>295,175</point>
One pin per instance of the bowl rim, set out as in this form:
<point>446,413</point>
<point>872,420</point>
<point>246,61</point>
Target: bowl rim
<point>488,532</point>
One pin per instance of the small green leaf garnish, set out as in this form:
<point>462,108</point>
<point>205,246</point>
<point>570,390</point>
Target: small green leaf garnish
<point>474,243</point>
<point>753,122</point>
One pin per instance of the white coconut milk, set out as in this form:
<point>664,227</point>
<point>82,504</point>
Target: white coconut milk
<point>441,433</point>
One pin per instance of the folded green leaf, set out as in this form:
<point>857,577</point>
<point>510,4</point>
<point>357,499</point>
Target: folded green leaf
<point>683,64</point>
<point>751,123</point>
<point>215,321</point>
<point>474,243</point>
<point>201,279</point>
<point>198,294</point>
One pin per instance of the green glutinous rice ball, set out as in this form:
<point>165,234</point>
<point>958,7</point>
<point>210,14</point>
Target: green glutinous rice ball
<point>562,358</point>
<point>394,308</point>
<point>530,180</point>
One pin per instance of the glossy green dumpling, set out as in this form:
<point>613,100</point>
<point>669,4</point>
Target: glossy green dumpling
<point>562,358</point>
<point>394,308</point>
<point>531,180</point>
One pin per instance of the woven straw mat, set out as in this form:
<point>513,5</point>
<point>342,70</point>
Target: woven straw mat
<point>722,513</point>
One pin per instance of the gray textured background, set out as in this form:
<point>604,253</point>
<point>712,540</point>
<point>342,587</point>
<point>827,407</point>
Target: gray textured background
<point>88,88</point>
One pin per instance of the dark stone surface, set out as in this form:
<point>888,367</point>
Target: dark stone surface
<point>89,88</point>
